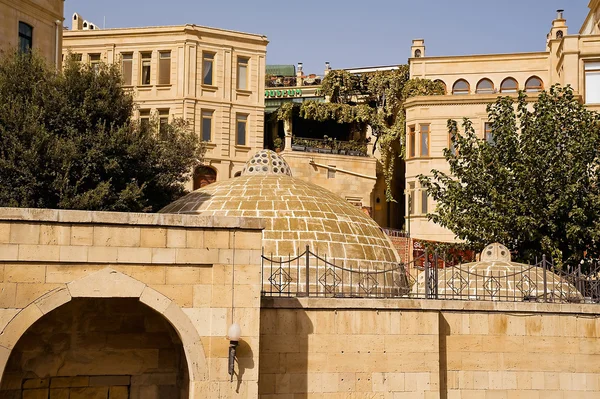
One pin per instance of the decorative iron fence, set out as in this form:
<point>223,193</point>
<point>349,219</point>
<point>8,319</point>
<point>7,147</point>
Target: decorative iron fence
<point>312,275</point>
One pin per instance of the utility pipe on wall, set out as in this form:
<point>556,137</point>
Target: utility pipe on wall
<point>58,23</point>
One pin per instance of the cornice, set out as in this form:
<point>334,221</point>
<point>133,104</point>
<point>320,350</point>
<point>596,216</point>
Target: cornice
<point>27,5</point>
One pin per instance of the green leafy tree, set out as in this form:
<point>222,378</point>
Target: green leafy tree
<point>67,140</point>
<point>371,99</point>
<point>534,187</point>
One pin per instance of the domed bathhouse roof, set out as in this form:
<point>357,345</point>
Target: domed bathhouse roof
<point>496,278</point>
<point>297,214</point>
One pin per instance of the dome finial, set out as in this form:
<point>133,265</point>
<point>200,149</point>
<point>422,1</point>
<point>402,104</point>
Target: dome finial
<point>266,162</point>
<point>496,252</point>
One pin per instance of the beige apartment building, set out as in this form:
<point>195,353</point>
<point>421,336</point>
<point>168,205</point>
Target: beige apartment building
<point>32,24</point>
<point>474,81</point>
<point>213,78</point>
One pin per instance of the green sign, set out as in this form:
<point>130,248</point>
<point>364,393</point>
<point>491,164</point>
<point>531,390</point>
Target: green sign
<point>283,93</point>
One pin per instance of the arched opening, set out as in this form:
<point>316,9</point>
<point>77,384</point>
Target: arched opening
<point>534,84</point>
<point>509,85</point>
<point>203,176</point>
<point>237,174</point>
<point>443,84</point>
<point>98,347</point>
<point>418,53</point>
<point>485,86</point>
<point>461,87</point>
<point>559,34</point>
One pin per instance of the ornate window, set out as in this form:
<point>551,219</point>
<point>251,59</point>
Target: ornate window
<point>534,84</point>
<point>461,87</point>
<point>485,86</point>
<point>509,85</point>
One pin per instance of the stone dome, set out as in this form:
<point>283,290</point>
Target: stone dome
<point>496,278</point>
<point>297,214</point>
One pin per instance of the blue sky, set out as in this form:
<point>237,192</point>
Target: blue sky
<point>349,33</point>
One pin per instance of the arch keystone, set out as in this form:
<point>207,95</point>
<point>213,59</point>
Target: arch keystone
<point>106,283</point>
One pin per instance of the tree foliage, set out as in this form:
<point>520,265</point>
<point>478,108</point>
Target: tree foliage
<point>375,99</point>
<point>67,140</point>
<point>535,188</point>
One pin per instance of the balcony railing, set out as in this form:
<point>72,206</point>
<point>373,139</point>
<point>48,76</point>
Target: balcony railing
<point>330,146</point>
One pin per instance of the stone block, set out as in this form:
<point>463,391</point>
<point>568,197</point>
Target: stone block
<point>176,237</point>
<point>152,237</point>
<point>25,233</point>
<point>134,255</point>
<point>36,383</point>
<point>202,296</point>
<point>99,254</point>
<point>182,295</point>
<point>110,380</point>
<point>155,300</point>
<point>82,235</point>
<point>106,283</point>
<point>53,300</point>
<point>163,255</point>
<point>116,236</point>
<point>8,295</point>
<point>28,293</point>
<point>247,240</point>
<point>73,254</point>
<point>17,327</point>
<point>9,252</point>
<point>23,273</point>
<point>59,393</point>
<point>89,393</point>
<point>118,392</point>
<point>146,274</point>
<point>4,232</point>
<point>195,238</point>
<point>38,253</point>
<point>52,234</point>
<point>196,256</point>
<point>36,394</point>
<point>68,273</point>
<point>216,239</point>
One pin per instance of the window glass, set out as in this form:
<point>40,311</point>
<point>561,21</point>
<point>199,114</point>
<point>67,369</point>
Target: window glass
<point>242,73</point>
<point>488,134</point>
<point>207,68</point>
<point>411,142</point>
<point>242,121</point>
<point>461,87</point>
<point>592,83</point>
<point>207,125</point>
<point>424,140</point>
<point>146,68</point>
<point>411,199</point>
<point>127,68</point>
<point>145,119</point>
<point>163,121</point>
<point>452,144</point>
<point>485,86</point>
<point>95,62</point>
<point>164,68</point>
<point>509,85</point>
<point>25,37</point>
<point>534,84</point>
<point>424,204</point>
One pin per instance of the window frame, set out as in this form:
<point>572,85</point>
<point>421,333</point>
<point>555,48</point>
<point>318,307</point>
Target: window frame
<point>424,201</point>
<point>411,211</point>
<point>461,91</point>
<point>479,90</point>
<point>95,63</point>
<point>163,120</point>
<point>145,57</point>
<point>24,36</point>
<point>160,67</point>
<point>421,125</point>
<point>208,57</point>
<point>444,84</point>
<point>246,65</point>
<point>509,90</point>
<point>534,89</point>
<point>144,118</point>
<point>488,133</point>
<point>208,114</point>
<point>129,62</point>
<point>241,118</point>
<point>591,67</point>
<point>412,143</point>
<point>453,149</point>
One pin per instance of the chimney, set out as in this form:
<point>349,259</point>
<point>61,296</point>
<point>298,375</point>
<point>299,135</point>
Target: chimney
<point>327,68</point>
<point>559,14</point>
<point>76,22</point>
<point>299,74</point>
<point>418,48</point>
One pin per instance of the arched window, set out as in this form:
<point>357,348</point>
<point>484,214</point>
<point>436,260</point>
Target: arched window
<point>461,87</point>
<point>443,84</point>
<point>534,84</point>
<point>559,34</point>
<point>509,85</point>
<point>418,53</point>
<point>203,176</point>
<point>485,86</point>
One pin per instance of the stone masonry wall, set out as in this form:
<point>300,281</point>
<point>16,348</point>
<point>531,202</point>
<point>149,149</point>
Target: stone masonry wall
<point>352,348</point>
<point>181,266</point>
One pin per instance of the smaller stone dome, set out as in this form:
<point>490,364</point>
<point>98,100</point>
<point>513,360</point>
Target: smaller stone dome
<point>266,162</point>
<point>496,278</point>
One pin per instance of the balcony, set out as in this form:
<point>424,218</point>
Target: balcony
<point>328,145</point>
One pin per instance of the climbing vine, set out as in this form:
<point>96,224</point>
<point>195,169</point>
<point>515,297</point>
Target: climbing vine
<point>374,99</point>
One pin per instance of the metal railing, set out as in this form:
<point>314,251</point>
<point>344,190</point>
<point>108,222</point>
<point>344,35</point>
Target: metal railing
<point>429,276</point>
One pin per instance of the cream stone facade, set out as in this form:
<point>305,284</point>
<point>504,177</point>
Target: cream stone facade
<point>474,81</point>
<point>35,24</point>
<point>213,78</point>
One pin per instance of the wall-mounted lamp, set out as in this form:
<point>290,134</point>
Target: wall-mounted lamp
<point>233,334</point>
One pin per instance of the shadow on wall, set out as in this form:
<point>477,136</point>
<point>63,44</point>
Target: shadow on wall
<point>245,361</point>
<point>284,352</point>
